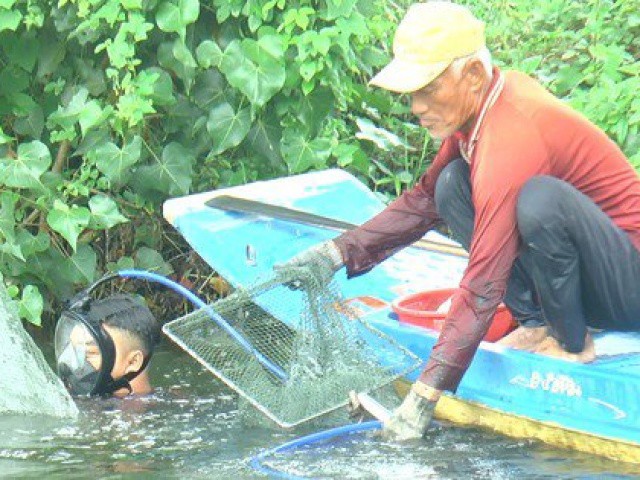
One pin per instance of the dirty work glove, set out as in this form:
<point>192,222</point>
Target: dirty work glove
<point>412,418</point>
<point>322,260</point>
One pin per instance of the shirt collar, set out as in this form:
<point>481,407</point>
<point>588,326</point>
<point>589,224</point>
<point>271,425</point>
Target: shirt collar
<point>468,145</point>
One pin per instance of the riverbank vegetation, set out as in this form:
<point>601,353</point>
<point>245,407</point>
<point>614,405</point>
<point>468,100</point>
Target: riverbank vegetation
<point>109,107</point>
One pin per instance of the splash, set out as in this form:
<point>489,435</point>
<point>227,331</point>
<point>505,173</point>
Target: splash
<point>27,383</point>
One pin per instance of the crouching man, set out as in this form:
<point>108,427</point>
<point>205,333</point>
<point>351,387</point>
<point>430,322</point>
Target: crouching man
<point>547,206</point>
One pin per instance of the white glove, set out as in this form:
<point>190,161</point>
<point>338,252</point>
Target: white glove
<point>411,419</point>
<point>323,260</point>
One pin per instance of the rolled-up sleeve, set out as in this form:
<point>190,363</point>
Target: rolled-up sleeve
<point>496,185</point>
<point>401,223</point>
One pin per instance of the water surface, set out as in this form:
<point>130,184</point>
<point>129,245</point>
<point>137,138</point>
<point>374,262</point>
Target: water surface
<point>192,428</point>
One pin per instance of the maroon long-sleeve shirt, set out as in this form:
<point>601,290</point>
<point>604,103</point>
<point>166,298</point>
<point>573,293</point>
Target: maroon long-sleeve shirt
<point>522,131</point>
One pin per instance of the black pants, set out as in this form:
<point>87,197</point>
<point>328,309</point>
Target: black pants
<point>575,267</point>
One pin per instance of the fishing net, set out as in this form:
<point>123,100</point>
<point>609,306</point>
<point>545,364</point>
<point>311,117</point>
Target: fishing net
<point>297,371</point>
<point>27,384</point>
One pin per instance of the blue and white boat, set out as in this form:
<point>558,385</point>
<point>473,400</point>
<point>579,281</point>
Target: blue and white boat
<point>591,408</point>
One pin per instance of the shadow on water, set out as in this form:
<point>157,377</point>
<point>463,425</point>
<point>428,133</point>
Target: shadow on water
<point>191,428</point>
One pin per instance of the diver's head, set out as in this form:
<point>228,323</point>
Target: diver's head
<point>103,346</point>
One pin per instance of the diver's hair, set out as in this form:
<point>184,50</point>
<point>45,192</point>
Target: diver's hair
<point>484,55</point>
<point>131,315</point>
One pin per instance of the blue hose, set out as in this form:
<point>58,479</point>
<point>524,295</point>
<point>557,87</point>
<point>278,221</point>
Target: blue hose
<point>176,287</point>
<point>306,441</point>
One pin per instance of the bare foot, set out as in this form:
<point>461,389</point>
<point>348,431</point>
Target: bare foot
<point>525,338</point>
<point>552,348</point>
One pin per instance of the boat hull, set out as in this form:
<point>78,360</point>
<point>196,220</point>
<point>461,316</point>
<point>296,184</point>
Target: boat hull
<point>591,408</point>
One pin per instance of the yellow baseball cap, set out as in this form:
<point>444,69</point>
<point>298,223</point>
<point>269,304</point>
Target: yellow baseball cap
<point>430,36</point>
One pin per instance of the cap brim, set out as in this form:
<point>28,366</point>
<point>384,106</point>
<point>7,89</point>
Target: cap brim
<point>404,77</point>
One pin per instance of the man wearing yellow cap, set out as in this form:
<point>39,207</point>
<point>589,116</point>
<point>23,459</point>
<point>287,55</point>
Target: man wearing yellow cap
<point>547,206</point>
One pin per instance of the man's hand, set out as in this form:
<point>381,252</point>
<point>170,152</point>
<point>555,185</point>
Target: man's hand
<point>322,261</point>
<point>413,417</point>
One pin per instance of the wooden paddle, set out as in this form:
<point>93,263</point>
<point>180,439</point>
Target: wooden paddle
<point>243,205</point>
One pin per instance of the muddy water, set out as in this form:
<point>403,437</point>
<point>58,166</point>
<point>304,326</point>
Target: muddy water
<point>191,428</point>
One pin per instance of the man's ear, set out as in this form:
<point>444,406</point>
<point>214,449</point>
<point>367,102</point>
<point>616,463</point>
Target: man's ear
<point>134,361</point>
<point>476,75</point>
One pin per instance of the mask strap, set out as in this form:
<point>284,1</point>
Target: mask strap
<point>125,380</point>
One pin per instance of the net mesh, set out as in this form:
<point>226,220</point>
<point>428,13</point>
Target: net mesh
<point>298,371</point>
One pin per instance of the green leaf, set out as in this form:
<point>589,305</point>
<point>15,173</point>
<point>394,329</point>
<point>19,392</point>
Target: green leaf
<point>52,53</point>
<point>31,305</point>
<point>301,154</point>
<point>32,244</point>
<point>69,222</point>
<point>115,163</point>
<point>167,59</point>
<point>383,138</point>
<point>149,259</point>
<point>21,50</point>
<point>33,159</point>
<point>253,68</point>
<point>13,249</point>
<point>170,174</point>
<point>314,110</point>
<point>131,4</point>
<point>14,80</point>
<point>227,127</point>
<point>8,202</point>
<point>30,125</point>
<point>209,89</point>
<point>80,109</point>
<point>4,138</point>
<point>172,17</point>
<point>80,268</point>
<point>209,54</point>
<point>9,19</point>
<point>162,88</point>
<point>123,263</point>
<point>104,213</point>
<point>182,54</point>
<point>264,139</point>
<point>339,8</point>
<point>8,243</point>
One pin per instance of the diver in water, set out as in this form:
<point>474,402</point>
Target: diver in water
<point>103,347</point>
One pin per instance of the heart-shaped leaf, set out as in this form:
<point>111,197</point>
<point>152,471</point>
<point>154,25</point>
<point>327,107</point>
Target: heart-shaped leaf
<point>174,17</point>
<point>209,54</point>
<point>80,268</point>
<point>170,174</point>
<point>227,127</point>
<point>256,68</point>
<point>31,305</point>
<point>9,19</point>
<point>149,259</point>
<point>116,162</point>
<point>68,221</point>
<point>301,154</point>
<point>32,160</point>
<point>104,213</point>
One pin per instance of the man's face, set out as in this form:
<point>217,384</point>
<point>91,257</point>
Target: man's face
<point>83,341</point>
<point>124,348</point>
<point>81,338</point>
<point>445,105</point>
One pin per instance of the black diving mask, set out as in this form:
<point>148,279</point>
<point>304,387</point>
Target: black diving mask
<point>85,352</point>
